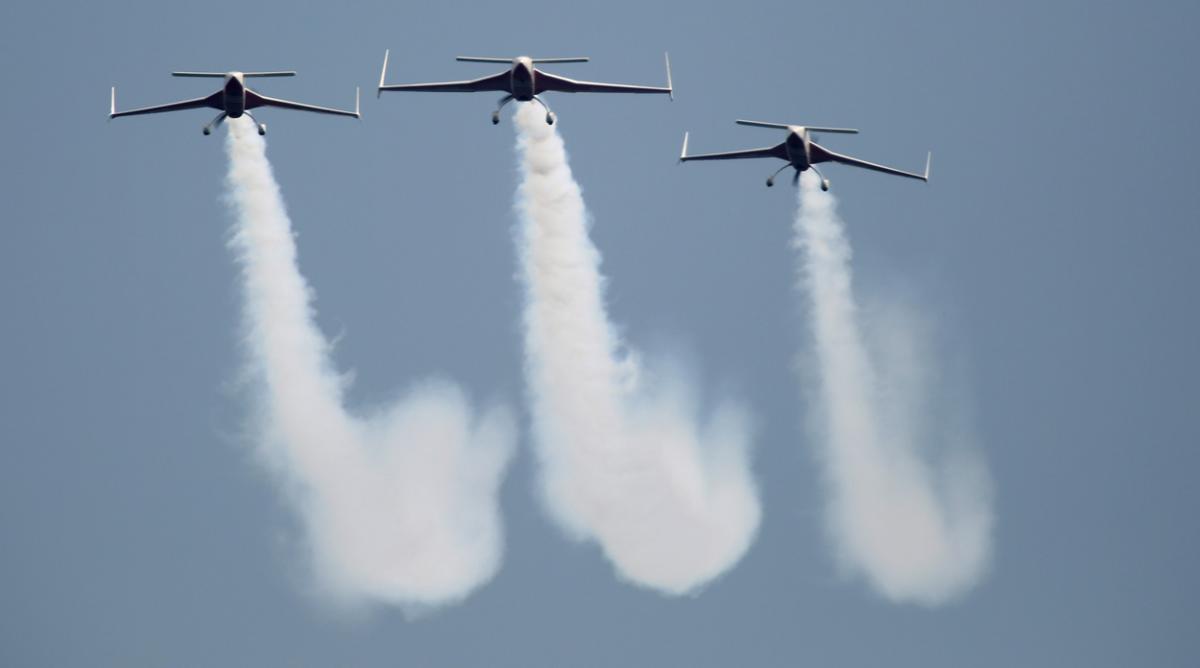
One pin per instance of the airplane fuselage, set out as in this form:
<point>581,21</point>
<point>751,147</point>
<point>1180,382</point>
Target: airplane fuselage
<point>522,78</point>
<point>799,148</point>
<point>234,95</point>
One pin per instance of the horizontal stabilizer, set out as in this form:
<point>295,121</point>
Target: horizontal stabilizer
<point>810,128</point>
<point>760,124</point>
<point>220,75</point>
<point>506,61</point>
<point>477,59</point>
<point>844,131</point>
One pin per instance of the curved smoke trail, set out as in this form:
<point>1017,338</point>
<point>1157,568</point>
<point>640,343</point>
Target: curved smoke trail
<point>398,508</point>
<point>671,503</point>
<point>918,533</point>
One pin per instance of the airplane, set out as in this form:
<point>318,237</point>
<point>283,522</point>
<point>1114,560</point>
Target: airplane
<point>801,152</point>
<point>233,99</point>
<point>523,82</point>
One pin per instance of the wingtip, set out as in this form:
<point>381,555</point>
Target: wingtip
<point>357,102</point>
<point>112,104</point>
<point>683,151</point>
<point>670,84</point>
<point>382,74</point>
<point>928,160</point>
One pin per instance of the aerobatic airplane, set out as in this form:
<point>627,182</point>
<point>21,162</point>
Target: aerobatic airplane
<point>233,99</point>
<point>801,151</point>
<point>523,82</point>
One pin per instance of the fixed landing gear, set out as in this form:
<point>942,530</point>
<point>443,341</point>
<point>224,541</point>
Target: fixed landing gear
<point>496,114</point>
<point>771,178</point>
<point>550,117</point>
<point>262,127</point>
<point>796,177</point>
<point>207,130</point>
<point>824,181</point>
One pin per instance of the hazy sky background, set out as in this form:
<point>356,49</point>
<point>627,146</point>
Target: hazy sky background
<point>1055,248</point>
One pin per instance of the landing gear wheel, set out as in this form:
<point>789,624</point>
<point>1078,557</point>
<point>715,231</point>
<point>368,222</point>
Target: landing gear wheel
<point>496,117</point>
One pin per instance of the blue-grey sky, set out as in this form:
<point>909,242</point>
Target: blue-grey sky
<point>1055,248</point>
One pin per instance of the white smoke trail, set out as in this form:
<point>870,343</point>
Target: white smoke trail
<point>399,508</point>
<point>672,504</point>
<point>918,533</point>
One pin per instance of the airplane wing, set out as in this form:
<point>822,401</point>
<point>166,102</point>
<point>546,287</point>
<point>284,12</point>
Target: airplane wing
<point>546,81</point>
<point>496,82</point>
<point>822,154</point>
<point>214,101</point>
<point>255,100</point>
<point>777,151</point>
